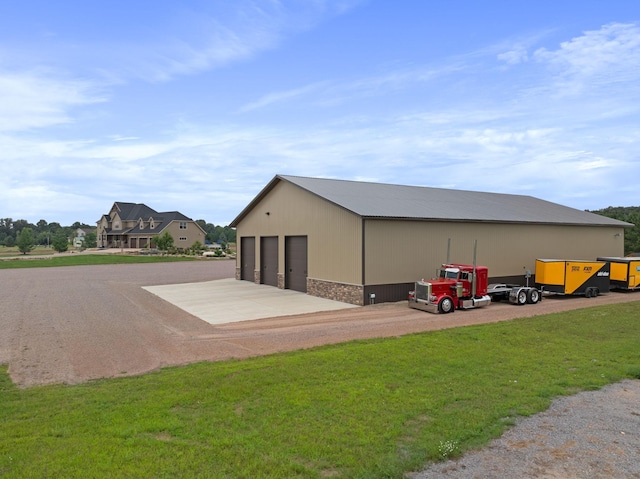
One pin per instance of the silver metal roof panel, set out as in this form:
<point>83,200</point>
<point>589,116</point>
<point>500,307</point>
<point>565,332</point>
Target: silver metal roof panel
<point>380,200</point>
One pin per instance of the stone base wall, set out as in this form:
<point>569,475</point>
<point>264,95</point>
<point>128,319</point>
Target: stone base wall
<point>256,276</point>
<point>345,293</point>
<point>238,274</point>
<point>280,280</point>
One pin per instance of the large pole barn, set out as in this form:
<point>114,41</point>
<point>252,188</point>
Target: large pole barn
<point>361,242</point>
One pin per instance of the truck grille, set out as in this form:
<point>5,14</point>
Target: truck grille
<point>423,291</point>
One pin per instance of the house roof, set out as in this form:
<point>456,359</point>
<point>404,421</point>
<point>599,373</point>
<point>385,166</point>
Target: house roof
<point>161,221</point>
<point>387,201</point>
<point>135,211</point>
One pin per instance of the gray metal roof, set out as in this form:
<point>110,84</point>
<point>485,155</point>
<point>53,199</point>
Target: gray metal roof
<point>379,200</point>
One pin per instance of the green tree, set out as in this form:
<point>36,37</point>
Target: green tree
<point>164,242</point>
<point>42,226</point>
<point>60,242</point>
<point>630,214</point>
<point>9,241</point>
<point>196,248</point>
<point>214,232</point>
<point>43,238</point>
<point>26,241</point>
<point>90,240</point>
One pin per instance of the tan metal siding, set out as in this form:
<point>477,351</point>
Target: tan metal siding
<point>334,234</point>
<point>401,251</point>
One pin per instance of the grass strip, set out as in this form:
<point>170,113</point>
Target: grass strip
<point>90,259</point>
<point>363,409</point>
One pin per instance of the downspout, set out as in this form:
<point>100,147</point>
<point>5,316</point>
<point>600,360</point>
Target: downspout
<point>474,281</point>
<point>363,260</point>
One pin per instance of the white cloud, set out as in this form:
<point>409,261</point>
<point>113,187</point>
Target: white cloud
<point>227,35</point>
<point>332,93</point>
<point>597,59</point>
<point>281,96</point>
<point>517,54</point>
<point>40,98</point>
<point>615,44</point>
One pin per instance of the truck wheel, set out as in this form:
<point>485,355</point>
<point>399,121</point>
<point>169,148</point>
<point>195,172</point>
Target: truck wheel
<point>445,306</point>
<point>522,297</point>
<point>534,296</point>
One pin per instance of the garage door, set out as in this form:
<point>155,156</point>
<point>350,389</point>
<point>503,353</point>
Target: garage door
<point>247,258</point>
<point>295,258</point>
<point>269,260</point>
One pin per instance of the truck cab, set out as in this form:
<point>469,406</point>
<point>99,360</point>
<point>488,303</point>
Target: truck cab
<point>456,286</point>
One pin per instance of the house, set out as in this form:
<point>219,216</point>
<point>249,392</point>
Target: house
<point>135,225</point>
<point>78,240</point>
<point>359,242</point>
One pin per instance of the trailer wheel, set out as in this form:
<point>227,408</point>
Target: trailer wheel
<point>522,297</point>
<point>445,306</point>
<point>588,293</point>
<point>533,296</point>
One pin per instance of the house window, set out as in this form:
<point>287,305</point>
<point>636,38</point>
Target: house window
<point>183,238</point>
<point>183,225</point>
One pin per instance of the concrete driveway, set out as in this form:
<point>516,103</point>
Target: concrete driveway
<point>229,300</point>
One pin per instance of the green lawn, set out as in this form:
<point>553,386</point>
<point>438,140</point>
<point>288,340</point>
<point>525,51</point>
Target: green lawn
<point>86,259</point>
<point>364,409</point>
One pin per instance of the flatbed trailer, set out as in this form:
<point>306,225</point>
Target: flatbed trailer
<point>624,272</point>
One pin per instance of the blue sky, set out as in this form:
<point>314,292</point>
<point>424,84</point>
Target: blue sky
<point>196,105</point>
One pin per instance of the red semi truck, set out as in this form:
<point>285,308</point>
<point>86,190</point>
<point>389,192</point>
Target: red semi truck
<point>464,286</point>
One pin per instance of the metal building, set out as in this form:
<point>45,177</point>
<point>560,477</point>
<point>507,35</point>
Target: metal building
<point>360,242</point>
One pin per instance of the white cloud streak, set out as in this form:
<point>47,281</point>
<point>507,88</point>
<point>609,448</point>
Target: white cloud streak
<point>228,36</point>
<point>39,99</point>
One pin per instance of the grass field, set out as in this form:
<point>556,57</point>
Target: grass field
<point>87,259</point>
<point>14,251</point>
<point>365,409</point>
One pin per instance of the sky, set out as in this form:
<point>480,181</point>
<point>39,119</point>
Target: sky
<point>196,105</point>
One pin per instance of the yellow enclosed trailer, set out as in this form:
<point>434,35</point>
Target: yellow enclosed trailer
<point>625,272</point>
<point>589,278</point>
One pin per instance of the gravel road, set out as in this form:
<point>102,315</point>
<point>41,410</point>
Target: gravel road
<point>74,324</point>
<point>592,435</point>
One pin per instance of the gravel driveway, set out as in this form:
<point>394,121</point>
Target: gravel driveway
<point>74,324</point>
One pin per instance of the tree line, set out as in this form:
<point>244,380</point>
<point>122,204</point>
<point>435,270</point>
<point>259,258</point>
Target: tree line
<point>630,214</point>
<point>218,234</point>
<point>27,235</point>
<point>43,232</point>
